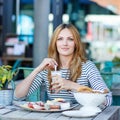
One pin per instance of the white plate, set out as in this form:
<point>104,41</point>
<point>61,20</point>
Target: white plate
<point>24,106</point>
<point>78,113</point>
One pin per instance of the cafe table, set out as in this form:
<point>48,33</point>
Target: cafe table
<point>14,112</point>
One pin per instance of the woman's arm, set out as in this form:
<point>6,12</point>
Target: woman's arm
<point>22,88</point>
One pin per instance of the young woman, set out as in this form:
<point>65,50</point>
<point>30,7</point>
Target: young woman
<point>67,53</point>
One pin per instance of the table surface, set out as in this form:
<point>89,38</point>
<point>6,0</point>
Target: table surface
<point>17,113</point>
<point>116,89</point>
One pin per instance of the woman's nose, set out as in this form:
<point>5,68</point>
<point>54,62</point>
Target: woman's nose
<point>65,42</point>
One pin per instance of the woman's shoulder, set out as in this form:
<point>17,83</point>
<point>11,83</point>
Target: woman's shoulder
<point>88,63</point>
<point>90,67</point>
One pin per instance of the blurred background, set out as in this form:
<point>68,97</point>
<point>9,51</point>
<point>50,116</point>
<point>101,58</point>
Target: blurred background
<point>27,25</point>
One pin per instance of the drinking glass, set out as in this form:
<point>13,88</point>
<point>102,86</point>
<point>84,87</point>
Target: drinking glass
<point>55,75</point>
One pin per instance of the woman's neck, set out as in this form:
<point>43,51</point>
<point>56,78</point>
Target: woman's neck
<point>65,61</point>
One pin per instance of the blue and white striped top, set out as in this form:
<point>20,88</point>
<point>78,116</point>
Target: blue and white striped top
<point>90,76</point>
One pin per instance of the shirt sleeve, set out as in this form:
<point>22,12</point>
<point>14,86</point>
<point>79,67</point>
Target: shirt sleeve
<point>36,83</point>
<point>96,81</point>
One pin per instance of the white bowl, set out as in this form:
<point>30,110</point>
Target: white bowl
<point>89,101</point>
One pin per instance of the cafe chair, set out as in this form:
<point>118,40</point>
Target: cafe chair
<point>17,64</point>
<point>110,71</point>
<point>111,76</point>
<point>39,94</point>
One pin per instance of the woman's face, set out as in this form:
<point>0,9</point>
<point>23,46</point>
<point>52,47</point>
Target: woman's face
<point>65,43</point>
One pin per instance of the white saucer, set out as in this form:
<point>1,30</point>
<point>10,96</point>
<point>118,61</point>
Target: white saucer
<point>90,109</point>
<point>78,113</point>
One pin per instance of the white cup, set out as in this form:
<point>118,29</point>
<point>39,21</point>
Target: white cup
<point>55,75</point>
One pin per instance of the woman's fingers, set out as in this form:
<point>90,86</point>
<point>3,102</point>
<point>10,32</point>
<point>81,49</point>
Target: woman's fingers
<point>56,87</point>
<point>59,87</point>
<point>60,84</point>
<point>48,63</point>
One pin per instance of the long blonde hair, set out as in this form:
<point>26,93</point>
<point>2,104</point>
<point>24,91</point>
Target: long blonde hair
<point>79,53</point>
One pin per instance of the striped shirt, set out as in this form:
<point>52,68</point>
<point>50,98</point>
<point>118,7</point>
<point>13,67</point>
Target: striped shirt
<point>90,76</point>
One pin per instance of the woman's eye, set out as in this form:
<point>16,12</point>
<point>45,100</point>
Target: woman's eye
<point>59,39</point>
<point>71,39</point>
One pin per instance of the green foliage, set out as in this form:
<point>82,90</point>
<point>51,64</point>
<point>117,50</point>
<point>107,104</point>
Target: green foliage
<point>116,61</point>
<point>6,75</point>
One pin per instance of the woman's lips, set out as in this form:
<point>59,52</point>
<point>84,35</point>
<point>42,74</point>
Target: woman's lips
<point>64,48</point>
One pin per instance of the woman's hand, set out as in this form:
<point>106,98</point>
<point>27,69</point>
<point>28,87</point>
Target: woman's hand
<point>47,63</point>
<point>60,84</point>
<point>63,84</point>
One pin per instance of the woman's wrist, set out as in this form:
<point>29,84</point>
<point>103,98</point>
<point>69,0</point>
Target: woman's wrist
<point>74,86</point>
<point>39,68</point>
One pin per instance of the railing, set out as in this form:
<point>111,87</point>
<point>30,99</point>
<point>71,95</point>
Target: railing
<point>110,72</point>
